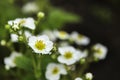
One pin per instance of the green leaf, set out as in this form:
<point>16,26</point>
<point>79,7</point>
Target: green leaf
<point>57,18</point>
<point>24,62</point>
<point>28,77</point>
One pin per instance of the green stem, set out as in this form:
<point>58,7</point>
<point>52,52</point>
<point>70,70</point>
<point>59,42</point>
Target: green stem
<point>39,66</point>
<point>83,68</point>
<point>85,65</point>
<point>34,66</point>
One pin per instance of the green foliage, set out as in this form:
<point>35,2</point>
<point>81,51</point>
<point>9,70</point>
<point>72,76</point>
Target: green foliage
<point>24,62</point>
<point>103,14</point>
<point>28,77</point>
<point>8,11</point>
<point>3,34</point>
<point>56,19</point>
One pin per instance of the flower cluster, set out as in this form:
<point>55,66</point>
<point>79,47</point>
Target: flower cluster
<point>66,51</point>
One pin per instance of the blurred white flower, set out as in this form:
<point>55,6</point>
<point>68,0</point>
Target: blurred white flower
<point>89,76</point>
<point>78,78</point>
<point>9,61</point>
<point>69,55</point>
<point>63,43</point>
<point>30,8</point>
<point>14,37</point>
<point>85,53</point>
<point>27,34</point>
<point>79,38</point>
<point>24,22</point>
<point>100,51</point>
<point>50,34</point>
<point>28,22</point>
<point>61,35</point>
<point>40,44</point>
<point>54,71</point>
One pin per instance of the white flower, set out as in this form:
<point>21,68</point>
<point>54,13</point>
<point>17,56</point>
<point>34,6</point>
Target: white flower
<point>78,78</point>
<point>9,61</point>
<point>61,35</point>
<point>79,38</point>
<point>14,37</point>
<point>30,8</point>
<point>40,44</point>
<point>100,51</point>
<point>14,24</point>
<point>89,76</point>
<point>85,53</point>
<point>27,34</point>
<point>54,71</point>
<point>69,55</point>
<point>28,22</point>
<point>24,22</point>
<point>50,34</point>
<point>63,43</point>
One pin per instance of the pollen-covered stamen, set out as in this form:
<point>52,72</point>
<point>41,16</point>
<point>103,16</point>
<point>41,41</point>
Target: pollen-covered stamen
<point>22,21</point>
<point>55,71</point>
<point>40,45</point>
<point>63,33</point>
<point>99,51</point>
<point>68,55</point>
<point>80,36</point>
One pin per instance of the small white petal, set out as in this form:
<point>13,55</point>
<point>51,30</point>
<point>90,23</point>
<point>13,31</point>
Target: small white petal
<point>14,37</point>
<point>78,78</point>
<point>27,34</point>
<point>50,34</point>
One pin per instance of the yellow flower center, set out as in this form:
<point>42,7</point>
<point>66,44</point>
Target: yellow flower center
<point>55,70</point>
<point>68,55</point>
<point>40,45</point>
<point>22,21</point>
<point>99,51</point>
<point>80,36</point>
<point>62,33</point>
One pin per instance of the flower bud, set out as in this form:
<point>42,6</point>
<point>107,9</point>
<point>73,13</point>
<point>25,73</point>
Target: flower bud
<point>20,38</point>
<point>3,42</point>
<point>40,15</point>
<point>82,61</point>
<point>7,26</point>
<point>89,76</point>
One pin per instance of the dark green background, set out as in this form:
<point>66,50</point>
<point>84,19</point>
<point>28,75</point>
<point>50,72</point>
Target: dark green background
<point>101,22</point>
